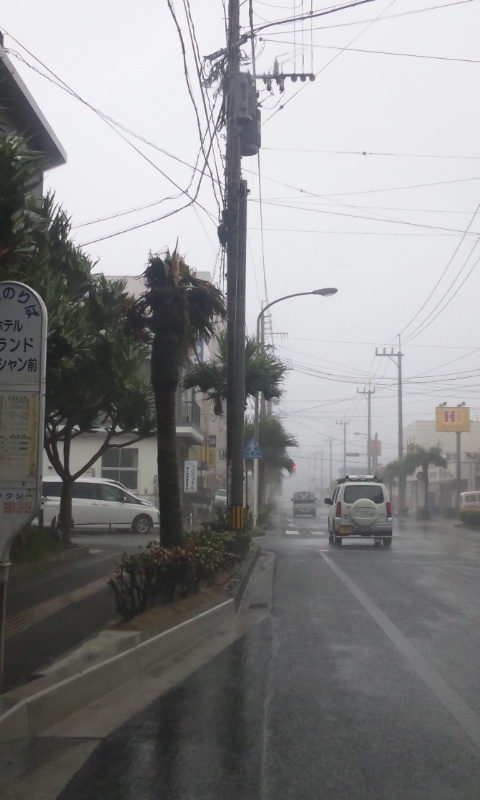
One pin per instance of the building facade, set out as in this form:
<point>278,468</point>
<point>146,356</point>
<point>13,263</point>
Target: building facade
<point>443,489</point>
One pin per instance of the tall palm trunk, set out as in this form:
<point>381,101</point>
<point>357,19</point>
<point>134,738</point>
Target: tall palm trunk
<point>166,366</point>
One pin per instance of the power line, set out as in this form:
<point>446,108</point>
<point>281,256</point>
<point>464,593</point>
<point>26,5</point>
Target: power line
<point>113,124</point>
<point>364,153</point>
<point>423,325</point>
<point>386,52</point>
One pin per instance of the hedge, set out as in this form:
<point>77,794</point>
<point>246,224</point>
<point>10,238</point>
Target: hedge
<point>159,574</point>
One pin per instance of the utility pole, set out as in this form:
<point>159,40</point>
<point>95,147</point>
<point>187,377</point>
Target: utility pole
<point>459,462</point>
<point>376,448</point>
<point>397,359</point>
<point>368,394</point>
<point>330,474</point>
<point>344,423</point>
<point>235,279</point>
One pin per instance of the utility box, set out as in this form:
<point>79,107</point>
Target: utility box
<point>244,96</point>
<point>250,136</point>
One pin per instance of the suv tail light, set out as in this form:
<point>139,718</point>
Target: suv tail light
<point>338,510</point>
<point>389,508</point>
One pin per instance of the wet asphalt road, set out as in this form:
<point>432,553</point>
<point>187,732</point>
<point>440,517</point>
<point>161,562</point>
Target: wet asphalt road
<point>361,684</point>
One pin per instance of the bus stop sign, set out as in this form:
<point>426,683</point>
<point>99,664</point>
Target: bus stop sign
<point>23,332</point>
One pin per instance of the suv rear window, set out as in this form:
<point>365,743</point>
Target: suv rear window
<point>301,496</point>
<point>358,491</point>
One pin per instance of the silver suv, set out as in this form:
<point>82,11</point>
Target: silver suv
<point>360,507</point>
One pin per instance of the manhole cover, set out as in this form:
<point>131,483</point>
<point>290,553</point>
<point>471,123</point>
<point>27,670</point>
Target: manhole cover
<point>258,605</point>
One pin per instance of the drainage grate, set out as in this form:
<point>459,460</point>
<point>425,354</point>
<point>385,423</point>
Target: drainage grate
<point>258,605</point>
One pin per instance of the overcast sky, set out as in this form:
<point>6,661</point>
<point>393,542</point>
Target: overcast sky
<point>369,182</point>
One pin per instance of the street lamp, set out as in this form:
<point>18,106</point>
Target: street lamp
<point>327,292</point>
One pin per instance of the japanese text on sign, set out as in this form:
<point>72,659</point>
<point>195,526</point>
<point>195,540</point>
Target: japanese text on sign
<point>19,342</point>
<point>190,476</point>
<point>16,501</point>
<point>19,422</point>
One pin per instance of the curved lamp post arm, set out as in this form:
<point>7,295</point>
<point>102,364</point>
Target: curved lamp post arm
<point>322,292</point>
<point>327,292</point>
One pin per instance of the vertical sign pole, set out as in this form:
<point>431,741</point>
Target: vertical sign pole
<point>4,570</point>
<point>23,335</point>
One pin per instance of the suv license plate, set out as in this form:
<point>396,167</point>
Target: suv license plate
<point>346,529</point>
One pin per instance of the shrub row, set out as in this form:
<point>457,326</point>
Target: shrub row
<point>159,574</point>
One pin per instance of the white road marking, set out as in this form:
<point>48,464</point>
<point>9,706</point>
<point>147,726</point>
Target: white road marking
<point>450,699</point>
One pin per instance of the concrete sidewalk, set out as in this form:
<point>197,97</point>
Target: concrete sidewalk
<point>106,662</point>
<point>39,767</point>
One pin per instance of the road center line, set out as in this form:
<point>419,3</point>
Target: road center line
<point>450,699</point>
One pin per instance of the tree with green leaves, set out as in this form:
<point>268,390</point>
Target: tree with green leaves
<point>422,457</point>
<point>175,311</point>
<point>274,442</point>
<point>94,376</point>
<point>100,385</point>
<point>264,373</point>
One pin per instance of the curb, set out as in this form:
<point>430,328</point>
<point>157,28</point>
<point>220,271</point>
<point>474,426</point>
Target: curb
<point>21,718</point>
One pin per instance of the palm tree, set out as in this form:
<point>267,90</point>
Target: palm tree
<point>274,441</point>
<point>264,373</point>
<point>421,457</point>
<point>175,310</point>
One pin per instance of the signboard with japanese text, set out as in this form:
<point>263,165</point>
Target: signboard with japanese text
<point>23,330</point>
<point>190,472</point>
<point>18,434</point>
<point>452,418</point>
<point>212,457</point>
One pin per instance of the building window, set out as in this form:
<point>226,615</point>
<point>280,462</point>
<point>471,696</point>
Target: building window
<point>121,464</point>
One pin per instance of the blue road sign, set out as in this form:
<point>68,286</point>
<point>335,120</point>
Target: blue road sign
<point>252,450</point>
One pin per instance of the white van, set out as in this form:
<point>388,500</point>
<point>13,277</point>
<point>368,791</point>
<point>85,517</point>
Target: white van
<point>99,504</point>
<point>469,501</point>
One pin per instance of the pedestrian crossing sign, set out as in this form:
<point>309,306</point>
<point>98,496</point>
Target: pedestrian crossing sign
<point>252,450</point>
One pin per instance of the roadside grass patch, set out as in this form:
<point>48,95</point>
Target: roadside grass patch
<point>33,546</point>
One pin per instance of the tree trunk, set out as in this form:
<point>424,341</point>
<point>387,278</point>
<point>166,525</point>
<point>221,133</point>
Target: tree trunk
<point>65,519</point>
<point>166,364</point>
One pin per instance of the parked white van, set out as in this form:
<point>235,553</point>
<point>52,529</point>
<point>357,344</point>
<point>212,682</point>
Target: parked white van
<point>469,501</point>
<point>99,504</point>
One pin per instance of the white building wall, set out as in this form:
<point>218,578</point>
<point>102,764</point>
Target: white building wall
<point>86,445</point>
<point>442,480</point>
